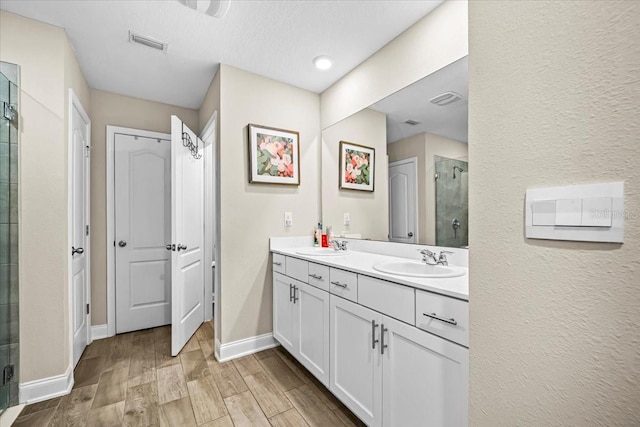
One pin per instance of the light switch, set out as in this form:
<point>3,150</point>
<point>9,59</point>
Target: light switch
<point>544,212</point>
<point>347,218</point>
<point>596,212</point>
<point>288,219</point>
<point>569,212</point>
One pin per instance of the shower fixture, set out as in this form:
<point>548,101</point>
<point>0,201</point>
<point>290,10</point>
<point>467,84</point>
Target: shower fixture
<point>459,170</point>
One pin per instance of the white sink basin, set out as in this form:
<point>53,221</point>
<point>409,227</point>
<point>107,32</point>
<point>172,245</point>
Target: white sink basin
<point>419,269</point>
<point>322,252</point>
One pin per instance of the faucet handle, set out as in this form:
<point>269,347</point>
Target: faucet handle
<point>343,245</point>
<point>426,252</point>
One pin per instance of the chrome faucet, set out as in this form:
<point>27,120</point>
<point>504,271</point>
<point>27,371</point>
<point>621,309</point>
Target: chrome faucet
<point>339,246</point>
<point>441,259</point>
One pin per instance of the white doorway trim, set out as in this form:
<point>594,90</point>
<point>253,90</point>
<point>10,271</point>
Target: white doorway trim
<point>413,161</point>
<point>74,103</point>
<point>209,139</point>
<point>111,267</point>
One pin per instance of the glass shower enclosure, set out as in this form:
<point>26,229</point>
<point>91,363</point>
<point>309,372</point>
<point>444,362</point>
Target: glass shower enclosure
<point>452,202</point>
<point>9,94</point>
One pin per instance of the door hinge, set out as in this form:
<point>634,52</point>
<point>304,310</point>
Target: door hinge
<point>87,150</point>
<point>88,309</point>
<point>87,230</point>
<point>7,374</point>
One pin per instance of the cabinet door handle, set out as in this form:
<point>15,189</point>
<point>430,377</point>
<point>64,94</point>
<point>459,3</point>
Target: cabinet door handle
<point>373,334</point>
<point>295,292</point>
<point>290,292</point>
<point>382,344</point>
<point>342,285</point>
<point>451,321</point>
<point>279,264</point>
<point>315,276</point>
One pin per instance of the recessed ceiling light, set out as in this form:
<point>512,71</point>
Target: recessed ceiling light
<point>322,62</point>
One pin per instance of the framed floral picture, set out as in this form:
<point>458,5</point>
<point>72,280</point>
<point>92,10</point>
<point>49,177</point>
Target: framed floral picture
<point>274,155</point>
<point>357,166</point>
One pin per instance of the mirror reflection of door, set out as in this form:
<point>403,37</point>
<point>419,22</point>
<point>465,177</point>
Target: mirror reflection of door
<point>403,221</point>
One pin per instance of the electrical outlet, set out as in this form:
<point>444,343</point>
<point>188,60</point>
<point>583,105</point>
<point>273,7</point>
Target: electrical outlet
<point>288,219</point>
<point>347,218</point>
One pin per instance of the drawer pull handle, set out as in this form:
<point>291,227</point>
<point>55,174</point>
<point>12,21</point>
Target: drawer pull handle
<point>451,321</point>
<point>342,285</point>
<point>295,294</point>
<point>279,264</point>
<point>315,276</point>
<point>373,334</point>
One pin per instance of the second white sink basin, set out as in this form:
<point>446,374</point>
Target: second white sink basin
<point>419,269</point>
<point>321,252</point>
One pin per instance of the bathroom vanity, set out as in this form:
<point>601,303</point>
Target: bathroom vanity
<point>393,348</point>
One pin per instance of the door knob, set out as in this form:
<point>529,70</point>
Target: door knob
<point>410,234</point>
<point>182,247</point>
<point>76,251</point>
<point>170,247</point>
<point>122,243</point>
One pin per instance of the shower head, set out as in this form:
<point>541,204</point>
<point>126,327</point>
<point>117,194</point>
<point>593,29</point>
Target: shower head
<point>459,170</point>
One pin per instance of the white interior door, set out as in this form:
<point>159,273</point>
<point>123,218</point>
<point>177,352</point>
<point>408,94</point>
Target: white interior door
<point>79,186</point>
<point>187,233</point>
<point>403,225</point>
<point>143,229</point>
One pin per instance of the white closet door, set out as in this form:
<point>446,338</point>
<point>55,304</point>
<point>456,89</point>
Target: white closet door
<point>143,229</point>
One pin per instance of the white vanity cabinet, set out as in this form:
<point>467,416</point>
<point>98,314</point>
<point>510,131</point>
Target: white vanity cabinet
<point>356,374</point>
<point>424,378</point>
<point>394,355</point>
<point>301,323</point>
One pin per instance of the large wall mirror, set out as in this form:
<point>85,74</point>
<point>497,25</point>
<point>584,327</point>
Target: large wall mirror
<point>421,171</point>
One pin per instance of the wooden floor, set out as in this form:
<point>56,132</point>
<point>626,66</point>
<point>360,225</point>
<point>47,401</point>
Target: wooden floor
<point>132,380</point>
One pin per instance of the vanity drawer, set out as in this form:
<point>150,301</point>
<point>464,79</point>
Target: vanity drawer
<point>450,310</point>
<point>319,276</point>
<point>278,262</point>
<point>298,269</point>
<point>388,298</point>
<point>343,284</point>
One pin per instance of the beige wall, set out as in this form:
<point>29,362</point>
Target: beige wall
<point>48,68</point>
<point>435,41</point>
<point>414,146</point>
<point>251,213</point>
<point>368,210</point>
<point>118,110</point>
<point>554,100</point>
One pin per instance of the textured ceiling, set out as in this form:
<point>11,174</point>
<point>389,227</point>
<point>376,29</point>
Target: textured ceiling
<point>276,39</point>
<point>412,103</point>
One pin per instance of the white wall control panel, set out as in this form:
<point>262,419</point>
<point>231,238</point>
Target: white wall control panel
<point>590,213</point>
<point>288,219</point>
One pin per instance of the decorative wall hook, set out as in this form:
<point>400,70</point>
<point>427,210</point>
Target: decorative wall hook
<point>187,142</point>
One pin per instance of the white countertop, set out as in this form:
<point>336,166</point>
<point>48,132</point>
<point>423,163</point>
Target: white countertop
<point>363,262</point>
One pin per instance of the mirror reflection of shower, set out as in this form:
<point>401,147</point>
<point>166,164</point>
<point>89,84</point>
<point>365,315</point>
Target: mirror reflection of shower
<point>452,201</point>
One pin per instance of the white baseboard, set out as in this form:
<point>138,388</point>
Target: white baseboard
<point>46,388</point>
<point>244,347</point>
<point>99,332</point>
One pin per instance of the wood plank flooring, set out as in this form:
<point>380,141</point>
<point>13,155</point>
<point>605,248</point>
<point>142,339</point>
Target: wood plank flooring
<point>132,380</point>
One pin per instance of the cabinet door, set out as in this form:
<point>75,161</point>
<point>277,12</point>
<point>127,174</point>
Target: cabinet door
<point>283,312</point>
<point>312,315</point>
<point>425,378</point>
<point>356,370</point>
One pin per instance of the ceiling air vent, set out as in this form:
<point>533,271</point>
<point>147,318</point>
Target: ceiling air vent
<point>148,41</point>
<point>411,122</point>
<point>446,99</point>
